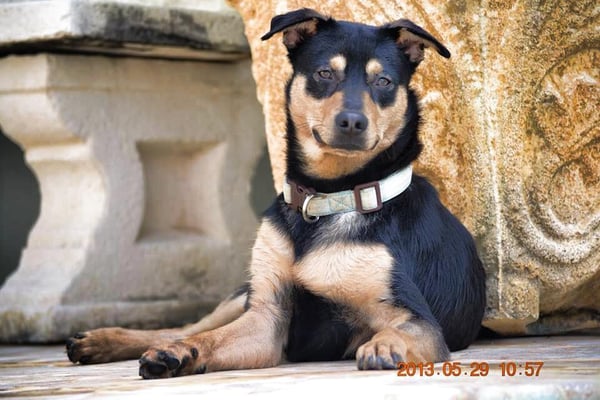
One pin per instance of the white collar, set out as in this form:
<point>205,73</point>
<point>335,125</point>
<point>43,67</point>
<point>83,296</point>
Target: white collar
<point>365,198</point>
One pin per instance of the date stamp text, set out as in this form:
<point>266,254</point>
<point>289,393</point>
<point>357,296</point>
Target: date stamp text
<point>475,369</point>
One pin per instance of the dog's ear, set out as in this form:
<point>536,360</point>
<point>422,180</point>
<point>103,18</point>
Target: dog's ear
<point>413,40</point>
<point>297,26</point>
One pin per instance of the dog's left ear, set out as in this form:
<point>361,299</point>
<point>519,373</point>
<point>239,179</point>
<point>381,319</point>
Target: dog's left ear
<point>413,40</point>
<point>297,26</point>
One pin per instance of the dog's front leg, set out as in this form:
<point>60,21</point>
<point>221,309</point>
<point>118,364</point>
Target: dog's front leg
<point>402,335</point>
<point>254,340</point>
<point>415,341</point>
<point>405,331</point>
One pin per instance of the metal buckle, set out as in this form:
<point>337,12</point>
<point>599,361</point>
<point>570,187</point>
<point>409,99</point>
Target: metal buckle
<point>308,218</point>
<point>358,200</point>
<point>301,196</point>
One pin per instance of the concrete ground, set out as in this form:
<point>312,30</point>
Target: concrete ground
<point>570,370</point>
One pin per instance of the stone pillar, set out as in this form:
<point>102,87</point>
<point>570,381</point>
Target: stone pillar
<point>512,138</point>
<point>144,167</point>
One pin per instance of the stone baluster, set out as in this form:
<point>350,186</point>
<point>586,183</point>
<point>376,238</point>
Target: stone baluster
<point>143,163</point>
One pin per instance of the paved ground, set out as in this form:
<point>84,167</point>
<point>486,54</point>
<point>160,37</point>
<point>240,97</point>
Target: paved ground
<point>570,370</point>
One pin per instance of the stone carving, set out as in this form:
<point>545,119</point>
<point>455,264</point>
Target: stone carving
<point>565,130</point>
<point>512,140</point>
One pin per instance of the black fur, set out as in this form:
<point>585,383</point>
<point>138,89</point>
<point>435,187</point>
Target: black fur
<point>437,273</point>
<point>318,331</point>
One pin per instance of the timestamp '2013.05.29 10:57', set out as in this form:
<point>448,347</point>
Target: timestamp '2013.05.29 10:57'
<point>475,369</point>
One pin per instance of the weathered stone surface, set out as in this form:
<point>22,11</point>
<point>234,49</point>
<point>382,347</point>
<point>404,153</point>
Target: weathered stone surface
<point>571,370</point>
<point>143,167</point>
<point>512,140</point>
<point>171,29</point>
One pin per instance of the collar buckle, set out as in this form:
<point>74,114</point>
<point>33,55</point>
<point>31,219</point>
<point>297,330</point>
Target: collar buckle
<point>358,199</point>
<point>299,195</point>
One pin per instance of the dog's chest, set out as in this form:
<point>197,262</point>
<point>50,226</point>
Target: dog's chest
<point>346,272</point>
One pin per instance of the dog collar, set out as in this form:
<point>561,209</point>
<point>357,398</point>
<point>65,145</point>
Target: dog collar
<point>365,198</point>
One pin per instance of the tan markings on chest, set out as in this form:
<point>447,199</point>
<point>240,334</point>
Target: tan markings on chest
<point>270,266</point>
<point>351,274</point>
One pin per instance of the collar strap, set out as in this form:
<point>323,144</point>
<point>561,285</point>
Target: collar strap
<point>365,198</point>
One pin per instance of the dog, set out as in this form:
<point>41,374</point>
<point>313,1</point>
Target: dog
<point>357,258</point>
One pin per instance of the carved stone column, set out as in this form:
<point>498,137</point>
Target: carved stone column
<point>144,167</point>
<point>512,140</point>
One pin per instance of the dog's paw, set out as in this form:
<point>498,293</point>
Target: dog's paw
<point>174,359</point>
<point>78,348</point>
<point>379,354</point>
<point>103,345</point>
<point>92,347</point>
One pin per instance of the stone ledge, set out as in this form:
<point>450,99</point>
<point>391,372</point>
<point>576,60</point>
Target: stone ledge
<point>107,27</point>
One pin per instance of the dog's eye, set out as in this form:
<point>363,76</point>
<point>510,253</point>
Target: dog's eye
<point>382,82</point>
<point>325,74</point>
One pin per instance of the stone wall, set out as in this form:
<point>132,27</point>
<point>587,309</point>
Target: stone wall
<point>512,135</point>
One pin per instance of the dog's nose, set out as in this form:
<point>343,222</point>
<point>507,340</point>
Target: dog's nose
<point>351,123</point>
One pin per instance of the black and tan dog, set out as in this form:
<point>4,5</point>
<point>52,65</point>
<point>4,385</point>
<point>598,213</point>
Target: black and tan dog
<point>358,257</point>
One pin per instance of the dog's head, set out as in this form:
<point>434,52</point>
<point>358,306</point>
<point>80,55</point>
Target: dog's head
<point>348,99</point>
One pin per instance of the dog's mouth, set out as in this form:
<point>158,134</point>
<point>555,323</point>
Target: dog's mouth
<point>347,145</point>
<point>318,137</point>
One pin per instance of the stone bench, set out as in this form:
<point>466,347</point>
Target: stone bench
<point>141,125</point>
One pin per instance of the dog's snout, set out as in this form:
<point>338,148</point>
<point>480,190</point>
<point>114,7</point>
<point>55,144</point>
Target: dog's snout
<point>351,122</point>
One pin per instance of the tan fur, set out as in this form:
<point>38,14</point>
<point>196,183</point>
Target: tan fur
<point>386,121</point>
<point>414,341</point>
<point>373,67</point>
<point>115,344</point>
<point>414,45</point>
<point>309,113</point>
<point>351,274</point>
<point>371,318</point>
<point>251,341</point>
<point>338,63</point>
<point>293,36</point>
<point>270,267</point>
<point>226,311</point>
<point>423,341</point>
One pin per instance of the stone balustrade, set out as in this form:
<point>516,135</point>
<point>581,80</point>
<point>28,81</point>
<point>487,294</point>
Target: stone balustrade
<point>142,127</point>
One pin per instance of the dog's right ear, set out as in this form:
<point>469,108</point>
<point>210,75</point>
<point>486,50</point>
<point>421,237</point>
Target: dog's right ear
<point>297,26</point>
